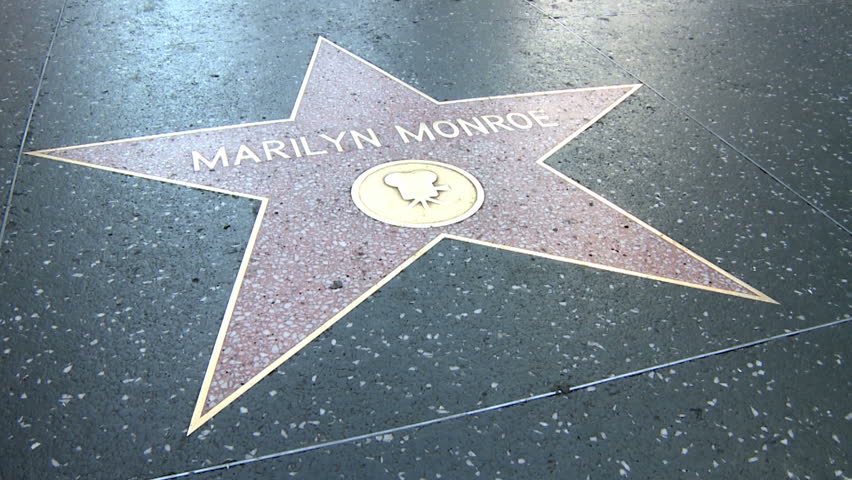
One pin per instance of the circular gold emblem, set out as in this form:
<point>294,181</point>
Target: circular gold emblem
<point>417,193</point>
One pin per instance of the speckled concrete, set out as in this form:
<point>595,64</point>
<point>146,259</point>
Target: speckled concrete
<point>24,39</point>
<point>793,124</point>
<point>100,380</point>
<point>749,414</point>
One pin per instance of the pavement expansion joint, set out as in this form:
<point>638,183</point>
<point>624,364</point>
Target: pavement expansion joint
<point>563,390</point>
<point>17,166</point>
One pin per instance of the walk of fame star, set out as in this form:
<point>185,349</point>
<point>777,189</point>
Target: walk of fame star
<point>328,234</point>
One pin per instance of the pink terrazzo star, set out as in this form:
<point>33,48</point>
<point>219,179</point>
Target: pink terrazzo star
<point>313,255</point>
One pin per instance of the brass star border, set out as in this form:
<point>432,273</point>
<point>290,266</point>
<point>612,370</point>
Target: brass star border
<point>544,212</point>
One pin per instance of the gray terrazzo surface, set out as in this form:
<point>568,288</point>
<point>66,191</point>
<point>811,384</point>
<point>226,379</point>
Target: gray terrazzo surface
<point>112,287</point>
<point>108,303</point>
<point>729,65</point>
<point>24,40</point>
<point>747,414</point>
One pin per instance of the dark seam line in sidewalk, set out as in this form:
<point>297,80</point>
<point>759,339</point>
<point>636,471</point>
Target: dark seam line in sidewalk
<point>26,132</point>
<point>682,111</point>
<point>564,391</point>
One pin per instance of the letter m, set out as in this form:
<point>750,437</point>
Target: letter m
<point>424,131</point>
<point>198,158</point>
